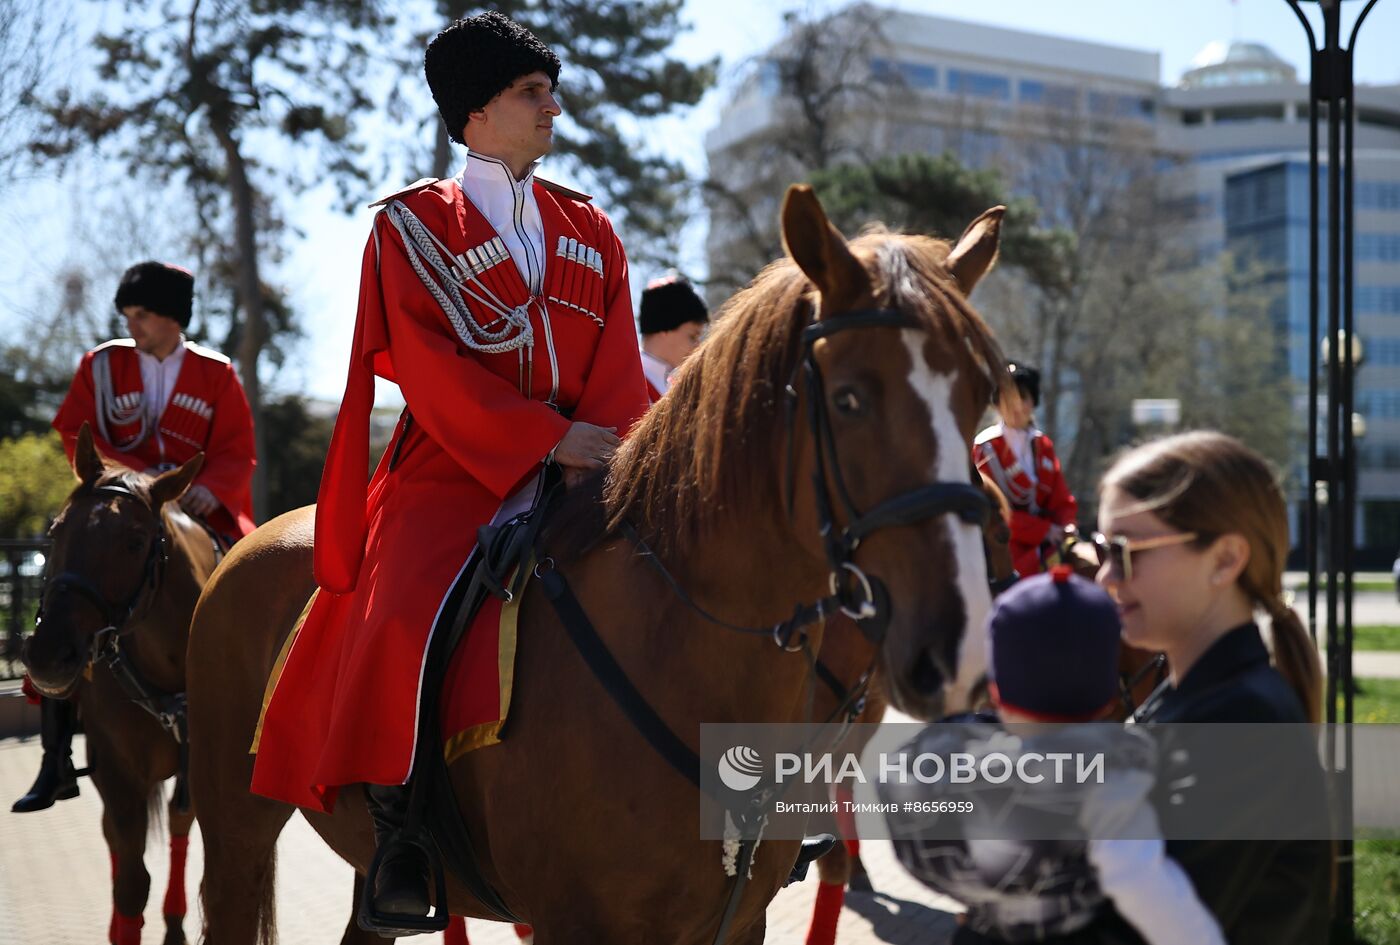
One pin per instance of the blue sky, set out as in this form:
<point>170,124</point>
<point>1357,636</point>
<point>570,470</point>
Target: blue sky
<point>323,268</point>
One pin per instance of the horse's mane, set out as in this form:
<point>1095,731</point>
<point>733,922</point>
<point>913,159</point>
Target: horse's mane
<point>708,447</point>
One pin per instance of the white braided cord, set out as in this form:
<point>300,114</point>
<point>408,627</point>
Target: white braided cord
<point>423,246</point>
<point>109,414</point>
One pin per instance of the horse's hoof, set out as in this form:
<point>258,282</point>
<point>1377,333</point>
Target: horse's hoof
<point>174,931</point>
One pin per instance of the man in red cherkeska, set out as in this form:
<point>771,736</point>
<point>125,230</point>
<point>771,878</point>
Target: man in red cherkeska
<point>1022,462</point>
<point>499,304</point>
<point>153,401</point>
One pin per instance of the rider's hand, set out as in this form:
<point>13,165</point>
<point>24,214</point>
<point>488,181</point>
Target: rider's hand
<point>585,447</point>
<point>198,500</point>
<point>1056,535</point>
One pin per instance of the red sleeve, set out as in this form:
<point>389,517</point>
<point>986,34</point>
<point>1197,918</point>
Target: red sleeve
<point>1063,506</point>
<point>615,393</point>
<point>230,453</point>
<point>81,405</point>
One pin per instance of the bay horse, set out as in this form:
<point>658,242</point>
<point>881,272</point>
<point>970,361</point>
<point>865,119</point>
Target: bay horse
<point>126,568</point>
<point>579,825</point>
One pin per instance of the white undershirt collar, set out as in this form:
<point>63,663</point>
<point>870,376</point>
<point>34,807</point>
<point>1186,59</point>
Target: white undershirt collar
<point>1020,443</point>
<point>158,379</point>
<point>657,371</point>
<point>510,207</point>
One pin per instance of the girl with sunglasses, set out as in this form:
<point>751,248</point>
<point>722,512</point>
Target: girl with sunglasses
<point>1193,537</point>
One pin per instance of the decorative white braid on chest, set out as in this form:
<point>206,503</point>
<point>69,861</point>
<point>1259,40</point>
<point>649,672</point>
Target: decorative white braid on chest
<point>114,410</point>
<point>449,282</point>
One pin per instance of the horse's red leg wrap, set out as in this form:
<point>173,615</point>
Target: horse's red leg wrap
<point>456,933</point>
<point>523,931</point>
<point>826,913</point>
<point>175,889</point>
<point>846,819</point>
<point>128,928</point>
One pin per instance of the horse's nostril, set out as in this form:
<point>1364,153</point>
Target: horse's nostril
<point>926,677</point>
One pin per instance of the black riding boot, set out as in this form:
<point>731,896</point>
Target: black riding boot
<point>57,781</point>
<point>813,848</point>
<point>401,886</point>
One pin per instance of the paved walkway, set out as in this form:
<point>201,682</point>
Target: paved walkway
<point>55,886</point>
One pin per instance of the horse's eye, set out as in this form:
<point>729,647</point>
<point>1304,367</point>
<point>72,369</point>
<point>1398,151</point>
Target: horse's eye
<point>846,401</point>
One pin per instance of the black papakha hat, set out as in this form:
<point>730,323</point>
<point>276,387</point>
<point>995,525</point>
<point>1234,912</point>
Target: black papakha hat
<point>1027,378</point>
<point>1054,647</point>
<point>668,303</point>
<point>164,289</point>
<point>475,59</point>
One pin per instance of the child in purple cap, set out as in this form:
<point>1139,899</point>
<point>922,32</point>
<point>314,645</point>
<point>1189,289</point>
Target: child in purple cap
<point>1033,865</point>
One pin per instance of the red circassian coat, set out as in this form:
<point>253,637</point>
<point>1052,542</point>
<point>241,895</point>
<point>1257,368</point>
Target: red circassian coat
<point>207,412</point>
<point>344,706</point>
<point>654,393</point>
<point>1034,506</point>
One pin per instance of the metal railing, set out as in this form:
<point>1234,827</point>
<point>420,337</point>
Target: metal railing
<point>21,578</point>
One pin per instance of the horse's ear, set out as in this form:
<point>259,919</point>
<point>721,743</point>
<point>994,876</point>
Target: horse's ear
<point>820,250</point>
<point>87,462</point>
<point>976,249</point>
<point>169,486</point>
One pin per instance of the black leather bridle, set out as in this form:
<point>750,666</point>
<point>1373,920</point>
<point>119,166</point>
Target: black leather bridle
<point>115,615</point>
<point>861,597</point>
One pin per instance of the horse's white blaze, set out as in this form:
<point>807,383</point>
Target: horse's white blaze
<point>952,465</point>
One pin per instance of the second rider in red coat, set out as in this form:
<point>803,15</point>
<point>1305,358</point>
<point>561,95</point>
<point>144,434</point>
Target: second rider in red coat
<point>1021,460</point>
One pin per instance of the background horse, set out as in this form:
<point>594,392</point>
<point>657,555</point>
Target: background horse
<point>579,824</point>
<point>126,568</point>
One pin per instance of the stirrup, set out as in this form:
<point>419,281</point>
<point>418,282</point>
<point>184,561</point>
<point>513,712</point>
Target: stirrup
<point>394,925</point>
<point>813,848</point>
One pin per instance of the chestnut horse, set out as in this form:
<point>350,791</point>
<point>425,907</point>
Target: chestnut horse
<point>126,569</point>
<point>581,827</point>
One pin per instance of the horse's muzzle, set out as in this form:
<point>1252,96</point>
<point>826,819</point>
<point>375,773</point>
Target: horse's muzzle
<point>919,689</point>
<point>53,671</point>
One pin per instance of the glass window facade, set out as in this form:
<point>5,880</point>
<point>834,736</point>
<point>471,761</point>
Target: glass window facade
<point>1117,105</point>
<point>1377,300</point>
<point>979,84</point>
<point>1382,351</point>
<point>1047,94</point>
<point>1383,404</point>
<point>913,74</point>
<point>1377,195</point>
<point>1377,247</point>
